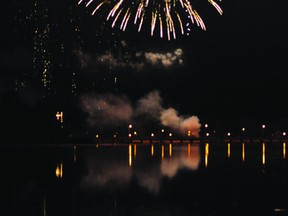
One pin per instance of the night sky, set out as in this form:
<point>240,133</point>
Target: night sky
<point>232,73</point>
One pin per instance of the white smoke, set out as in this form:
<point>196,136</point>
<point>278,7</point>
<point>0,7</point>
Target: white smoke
<point>164,59</point>
<point>152,104</point>
<point>136,60</point>
<point>108,109</point>
<point>170,118</point>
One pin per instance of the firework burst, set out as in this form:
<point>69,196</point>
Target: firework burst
<point>162,14</point>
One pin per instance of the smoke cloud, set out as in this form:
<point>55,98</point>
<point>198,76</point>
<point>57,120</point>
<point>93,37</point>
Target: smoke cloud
<point>106,172</point>
<point>117,110</point>
<point>131,59</point>
<point>150,104</point>
<point>170,118</point>
<point>107,109</point>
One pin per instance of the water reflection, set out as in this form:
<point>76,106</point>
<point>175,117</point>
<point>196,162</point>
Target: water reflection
<point>130,155</point>
<point>74,155</point>
<point>228,150</point>
<point>284,150</point>
<point>44,207</point>
<point>148,172</point>
<point>186,157</point>
<point>243,152</point>
<point>263,154</point>
<point>170,150</point>
<point>162,152</point>
<point>146,179</point>
<point>59,170</point>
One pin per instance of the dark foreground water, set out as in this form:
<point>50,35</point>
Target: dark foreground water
<point>137,179</point>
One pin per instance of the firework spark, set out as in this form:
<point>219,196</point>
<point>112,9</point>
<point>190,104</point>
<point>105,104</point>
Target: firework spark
<point>163,13</point>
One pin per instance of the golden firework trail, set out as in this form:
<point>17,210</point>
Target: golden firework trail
<point>163,13</point>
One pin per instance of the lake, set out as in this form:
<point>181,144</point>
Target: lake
<point>144,179</point>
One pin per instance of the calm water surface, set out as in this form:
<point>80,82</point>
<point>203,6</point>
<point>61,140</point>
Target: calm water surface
<point>145,179</point>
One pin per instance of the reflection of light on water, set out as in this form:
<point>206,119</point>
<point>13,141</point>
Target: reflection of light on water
<point>279,210</point>
<point>170,149</point>
<point>135,150</point>
<point>59,170</point>
<point>106,172</point>
<point>263,153</point>
<point>243,151</point>
<point>228,150</point>
<point>284,150</point>
<point>162,151</point>
<point>152,150</point>
<point>130,155</point>
<point>206,154</point>
<point>74,154</point>
<point>180,160</point>
<point>44,207</point>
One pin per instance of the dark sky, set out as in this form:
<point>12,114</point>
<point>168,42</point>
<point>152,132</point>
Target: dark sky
<point>235,70</point>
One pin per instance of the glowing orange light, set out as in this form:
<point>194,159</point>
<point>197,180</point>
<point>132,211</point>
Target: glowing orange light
<point>243,151</point>
<point>263,154</point>
<point>152,150</point>
<point>135,150</point>
<point>206,154</point>
<point>130,155</point>
<point>284,150</point>
<point>228,150</point>
<point>59,116</point>
<point>170,149</point>
<point>59,170</point>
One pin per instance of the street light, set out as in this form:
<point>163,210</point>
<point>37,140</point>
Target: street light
<point>170,136</point>
<point>243,133</point>
<point>206,130</point>
<point>162,133</point>
<point>284,135</point>
<point>262,130</point>
<point>129,130</point>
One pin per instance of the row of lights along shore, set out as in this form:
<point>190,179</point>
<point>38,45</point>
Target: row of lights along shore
<point>59,117</point>
<point>152,133</point>
<point>206,132</point>
<point>243,129</point>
